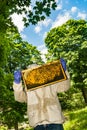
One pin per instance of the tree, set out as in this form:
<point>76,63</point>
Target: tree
<point>11,112</point>
<point>70,41</point>
<point>21,54</point>
<point>39,11</point>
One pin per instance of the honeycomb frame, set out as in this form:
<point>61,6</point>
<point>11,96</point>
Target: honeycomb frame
<point>44,75</point>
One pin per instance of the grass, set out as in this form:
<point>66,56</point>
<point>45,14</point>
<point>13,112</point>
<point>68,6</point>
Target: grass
<point>76,120</point>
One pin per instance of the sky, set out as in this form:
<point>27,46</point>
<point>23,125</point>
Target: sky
<point>66,9</point>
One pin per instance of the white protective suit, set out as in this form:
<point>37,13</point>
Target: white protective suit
<point>43,106</point>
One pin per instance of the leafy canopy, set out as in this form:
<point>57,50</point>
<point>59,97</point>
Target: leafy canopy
<point>34,11</point>
<point>70,41</point>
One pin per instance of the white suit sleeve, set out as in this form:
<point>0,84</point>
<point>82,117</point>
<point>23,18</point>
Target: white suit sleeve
<point>63,85</point>
<point>19,93</point>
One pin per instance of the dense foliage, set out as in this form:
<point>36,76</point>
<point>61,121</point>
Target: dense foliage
<point>76,120</point>
<point>33,11</point>
<point>70,41</point>
<point>20,55</point>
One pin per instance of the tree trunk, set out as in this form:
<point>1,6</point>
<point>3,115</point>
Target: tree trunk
<point>84,92</point>
<point>16,126</point>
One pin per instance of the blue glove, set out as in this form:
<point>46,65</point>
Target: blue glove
<point>63,63</point>
<point>17,76</point>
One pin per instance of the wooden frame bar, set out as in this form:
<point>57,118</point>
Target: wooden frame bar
<point>44,75</point>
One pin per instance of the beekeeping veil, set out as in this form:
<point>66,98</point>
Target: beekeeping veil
<point>32,66</point>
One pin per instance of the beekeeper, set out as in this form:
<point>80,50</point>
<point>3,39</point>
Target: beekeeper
<point>43,106</point>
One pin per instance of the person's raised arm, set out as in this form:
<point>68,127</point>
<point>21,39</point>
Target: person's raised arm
<point>19,93</point>
<point>64,85</point>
